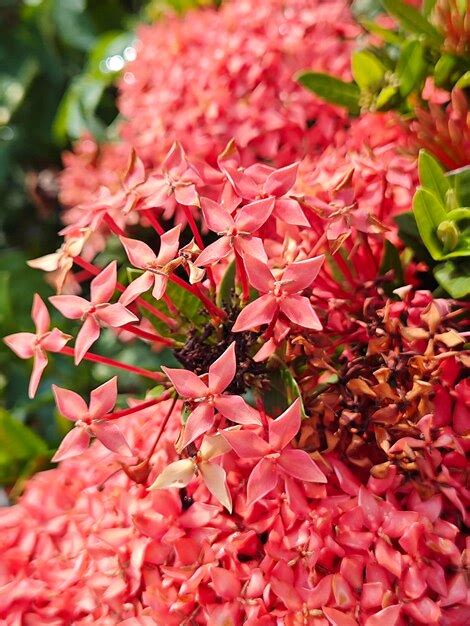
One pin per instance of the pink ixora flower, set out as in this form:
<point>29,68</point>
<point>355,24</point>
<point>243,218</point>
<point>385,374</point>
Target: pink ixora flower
<point>236,232</point>
<point>280,295</point>
<point>96,312</point>
<point>177,178</point>
<point>262,181</point>
<point>89,421</point>
<point>206,399</point>
<point>157,267</point>
<point>180,473</point>
<point>276,459</point>
<point>36,345</point>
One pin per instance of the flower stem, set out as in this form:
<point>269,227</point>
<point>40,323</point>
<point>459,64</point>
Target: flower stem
<point>113,227</point>
<point>242,277</point>
<point>138,332</point>
<point>152,218</point>
<point>96,358</point>
<point>139,407</point>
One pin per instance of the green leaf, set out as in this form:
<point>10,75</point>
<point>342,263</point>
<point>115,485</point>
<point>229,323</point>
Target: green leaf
<point>385,97</point>
<point>411,20</point>
<point>332,90</point>
<point>76,112</point>
<point>108,55</point>
<point>411,66</point>
<point>282,392</point>
<point>74,25</point>
<point>429,213</point>
<point>460,179</point>
<point>227,286</point>
<point>457,215</point>
<point>454,278</point>
<point>19,445</point>
<point>464,81</point>
<point>387,35</point>
<point>428,6</point>
<point>367,70</point>
<point>443,68</point>
<point>432,176</point>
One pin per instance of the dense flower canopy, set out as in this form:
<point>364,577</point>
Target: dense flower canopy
<point>306,463</point>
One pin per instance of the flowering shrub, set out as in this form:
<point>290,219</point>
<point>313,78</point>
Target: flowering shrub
<point>305,463</point>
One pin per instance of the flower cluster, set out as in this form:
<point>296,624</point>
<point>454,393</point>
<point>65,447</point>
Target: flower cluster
<point>306,464</point>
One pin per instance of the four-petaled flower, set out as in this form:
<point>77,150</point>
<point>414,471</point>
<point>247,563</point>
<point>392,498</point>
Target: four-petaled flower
<point>89,421</point>
<point>275,458</point>
<point>157,267</point>
<point>236,233</point>
<point>206,399</point>
<point>180,473</point>
<point>262,181</point>
<point>178,178</point>
<point>280,295</point>
<point>96,312</point>
<point>27,345</point>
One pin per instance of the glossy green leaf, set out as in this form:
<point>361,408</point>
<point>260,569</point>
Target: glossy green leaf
<point>443,69</point>
<point>332,90</point>
<point>385,98</point>
<point>464,81</point>
<point>432,176</point>
<point>429,213</point>
<point>391,261</point>
<point>227,286</point>
<point>412,20</point>
<point>460,180</point>
<point>386,34</point>
<point>454,278</point>
<point>411,66</point>
<point>367,70</point>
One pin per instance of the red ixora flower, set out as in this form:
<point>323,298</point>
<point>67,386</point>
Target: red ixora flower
<point>280,295</point>
<point>36,345</point>
<point>89,421</point>
<point>209,398</point>
<point>276,459</point>
<point>95,312</point>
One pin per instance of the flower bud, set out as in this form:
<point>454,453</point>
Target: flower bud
<point>449,234</point>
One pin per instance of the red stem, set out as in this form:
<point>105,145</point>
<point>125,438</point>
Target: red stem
<point>162,427</point>
<point>138,407</point>
<point>150,215</point>
<point>147,335</point>
<point>96,358</point>
<point>199,241</point>
<point>113,227</point>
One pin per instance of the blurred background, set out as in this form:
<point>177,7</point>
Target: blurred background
<point>59,61</point>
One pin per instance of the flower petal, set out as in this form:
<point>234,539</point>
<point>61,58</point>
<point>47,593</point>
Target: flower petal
<point>214,252</point>
<point>199,422</point>
<point>115,315</point>
<point>102,286</point>
<point>259,274</point>
<point>281,181</point>
<point>177,474</point>
<point>260,311</point>
<point>111,437</point>
<point>159,286</point>
<point>138,252</point>
<point>262,480</point>
<point>74,443</point>
<point>22,344</point>
<point>186,383</point>
<point>289,211</point>
<point>302,274</point>
<point>215,479</point>
<point>285,427</point>
<point>39,365</point>
<point>217,218</point>
<point>70,404</point>
<point>72,307</point>
<point>136,287</point>
<point>103,398</point>
<point>237,410</point>
<point>298,464</point>
<point>87,335</point>
<point>40,315</point>
<point>299,310</point>
<point>169,244</point>
<point>253,215</point>
<point>222,370</point>
<point>246,443</point>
